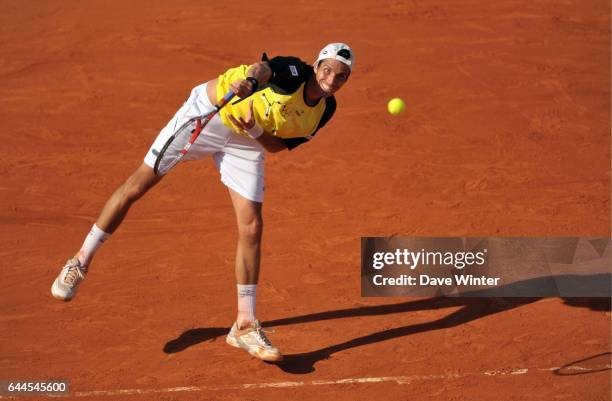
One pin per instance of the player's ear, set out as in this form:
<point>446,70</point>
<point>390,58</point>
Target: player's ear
<point>269,74</point>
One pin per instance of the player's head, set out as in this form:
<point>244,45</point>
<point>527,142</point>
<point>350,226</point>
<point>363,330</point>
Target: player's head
<point>332,67</point>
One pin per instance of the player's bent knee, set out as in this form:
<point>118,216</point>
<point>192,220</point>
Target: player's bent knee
<point>135,190</point>
<point>139,183</point>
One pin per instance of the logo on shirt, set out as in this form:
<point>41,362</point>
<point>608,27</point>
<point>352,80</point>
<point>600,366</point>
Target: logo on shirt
<point>290,108</point>
<point>268,105</point>
<point>294,70</point>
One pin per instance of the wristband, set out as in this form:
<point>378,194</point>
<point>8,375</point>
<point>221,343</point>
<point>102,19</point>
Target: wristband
<point>255,83</point>
<point>255,131</point>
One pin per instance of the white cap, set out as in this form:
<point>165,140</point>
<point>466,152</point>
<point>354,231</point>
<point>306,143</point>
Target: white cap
<point>337,51</point>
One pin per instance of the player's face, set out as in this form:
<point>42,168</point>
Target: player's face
<point>330,76</point>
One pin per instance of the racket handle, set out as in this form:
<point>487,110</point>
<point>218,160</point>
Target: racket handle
<point>228,96</point>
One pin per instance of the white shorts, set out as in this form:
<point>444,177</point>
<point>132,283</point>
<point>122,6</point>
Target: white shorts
<point>239,159</point>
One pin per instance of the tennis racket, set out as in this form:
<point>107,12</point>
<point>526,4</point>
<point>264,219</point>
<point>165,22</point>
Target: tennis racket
<point>184,137</point>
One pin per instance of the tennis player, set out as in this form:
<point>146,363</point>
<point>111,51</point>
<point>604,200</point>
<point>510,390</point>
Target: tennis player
<point>283,103</point>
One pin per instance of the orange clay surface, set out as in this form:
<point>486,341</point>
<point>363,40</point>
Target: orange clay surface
<point>506,133</point>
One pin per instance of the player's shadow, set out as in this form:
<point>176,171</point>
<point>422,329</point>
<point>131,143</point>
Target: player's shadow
<point>472,309</point>
<point>473,306</point>
<point>194,337</point>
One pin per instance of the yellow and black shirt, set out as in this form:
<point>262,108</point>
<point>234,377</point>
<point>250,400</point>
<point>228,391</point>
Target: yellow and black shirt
<point>279,106</point>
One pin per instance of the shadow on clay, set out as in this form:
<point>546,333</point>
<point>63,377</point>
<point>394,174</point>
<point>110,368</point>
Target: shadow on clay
<point>473,307</point>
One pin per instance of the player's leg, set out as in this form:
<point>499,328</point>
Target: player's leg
<point>116,208</point>
<point>131,190</point>
<point>241,163</point>
<point>247,332</point>
<point>114,211</point>
<point>248,250</point>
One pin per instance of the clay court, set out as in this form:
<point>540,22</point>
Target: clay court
<point>506,133</point>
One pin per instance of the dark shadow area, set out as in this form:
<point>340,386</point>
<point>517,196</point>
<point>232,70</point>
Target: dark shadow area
<point>552,286</point>
<point>194,337</point>
<point>592,364</point>
<point>473,307</point>
<point>595,304</point>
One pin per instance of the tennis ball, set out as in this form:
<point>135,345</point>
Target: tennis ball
<point>396,106</point>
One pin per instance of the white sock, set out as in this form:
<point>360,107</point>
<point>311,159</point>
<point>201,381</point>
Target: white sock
<point>93,241</point>
<point>247,294</point>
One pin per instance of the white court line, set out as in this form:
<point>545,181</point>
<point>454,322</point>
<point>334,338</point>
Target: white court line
<point>396,379</point>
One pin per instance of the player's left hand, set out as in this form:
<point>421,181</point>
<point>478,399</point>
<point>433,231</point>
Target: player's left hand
<point>247,124</point>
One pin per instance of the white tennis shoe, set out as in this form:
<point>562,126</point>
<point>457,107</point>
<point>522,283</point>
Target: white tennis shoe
<point>253,339</point>
<point>65,285</point>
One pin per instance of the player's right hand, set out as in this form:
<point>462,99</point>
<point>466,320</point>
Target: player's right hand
<point>242,88</point>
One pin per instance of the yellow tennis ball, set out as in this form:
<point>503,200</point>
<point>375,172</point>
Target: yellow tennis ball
<point>396,106</point>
